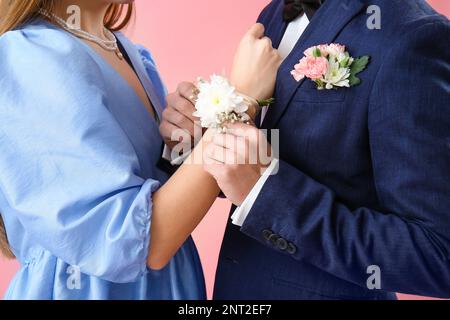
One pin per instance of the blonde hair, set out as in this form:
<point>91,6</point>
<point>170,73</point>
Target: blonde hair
<point>19,12</point>
<point>4,245</point>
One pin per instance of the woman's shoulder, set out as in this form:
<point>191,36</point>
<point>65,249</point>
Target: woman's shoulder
<point>43,48</point>
<point>40,63</point>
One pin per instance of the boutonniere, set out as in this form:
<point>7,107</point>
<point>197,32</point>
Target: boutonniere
<point>330,66</point>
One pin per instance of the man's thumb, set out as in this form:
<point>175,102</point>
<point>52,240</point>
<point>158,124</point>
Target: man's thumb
<point>256,31</point>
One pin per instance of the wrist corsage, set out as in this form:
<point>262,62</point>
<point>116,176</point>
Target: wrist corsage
<point>218,102</point>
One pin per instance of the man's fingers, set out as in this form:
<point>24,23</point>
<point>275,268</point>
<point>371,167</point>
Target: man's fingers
<point>267,42</point>
<point>217,154</point>
<point>221,154</point>
<point>240,129</point>
<point>186,90</point>
<point>225,140</point>
<point>173,134</point>
<point>179,120</point>
<point>166,128</point>
<point>234,143</point>
<point>181,102</point>
<point>256,31</point>
<point>209,158</point>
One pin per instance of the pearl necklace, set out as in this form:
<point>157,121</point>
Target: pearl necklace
<point>109,45</point>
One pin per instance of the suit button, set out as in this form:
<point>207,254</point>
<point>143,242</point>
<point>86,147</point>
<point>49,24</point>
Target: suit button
<point>266,234</point>
<point>291,248</point>
<point>273,239</point>
<point>282,244</point>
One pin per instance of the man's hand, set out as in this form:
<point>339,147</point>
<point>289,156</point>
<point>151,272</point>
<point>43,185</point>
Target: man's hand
<point>237,159</point>
<point>177,119</point>
<point>255,65</point>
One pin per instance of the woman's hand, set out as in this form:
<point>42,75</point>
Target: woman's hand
<point>255,65</point>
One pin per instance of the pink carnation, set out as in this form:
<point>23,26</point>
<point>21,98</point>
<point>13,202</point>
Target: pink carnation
<point>322,48</point>
<point>310,67</point>
<point>335,49</point>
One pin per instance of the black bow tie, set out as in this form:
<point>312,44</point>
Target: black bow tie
<point>295,8</point>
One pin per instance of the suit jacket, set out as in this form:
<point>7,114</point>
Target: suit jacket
<point>364,177</point>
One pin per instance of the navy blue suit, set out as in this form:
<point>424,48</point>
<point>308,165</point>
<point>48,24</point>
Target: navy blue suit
<point>364,174</point>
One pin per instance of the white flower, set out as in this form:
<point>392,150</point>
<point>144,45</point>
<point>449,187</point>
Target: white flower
<point>216,99</point>
<point>344,59</point>
<point>336,76</point>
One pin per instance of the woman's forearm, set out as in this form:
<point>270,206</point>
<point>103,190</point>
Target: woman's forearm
<point>178,207</point>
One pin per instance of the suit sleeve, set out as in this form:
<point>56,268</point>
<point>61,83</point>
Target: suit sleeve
<point>408,235</point>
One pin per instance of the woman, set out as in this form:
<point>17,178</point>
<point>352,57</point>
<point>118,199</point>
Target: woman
<point>88,210</point>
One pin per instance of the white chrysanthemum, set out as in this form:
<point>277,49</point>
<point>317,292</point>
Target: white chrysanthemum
<point>215,98</point>
<point>336,76</point>
<point>344,59</point>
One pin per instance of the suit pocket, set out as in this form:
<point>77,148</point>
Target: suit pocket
<point>308,92</point>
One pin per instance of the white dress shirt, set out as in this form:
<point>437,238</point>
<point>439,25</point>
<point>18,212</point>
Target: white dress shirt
<point>293,33</point>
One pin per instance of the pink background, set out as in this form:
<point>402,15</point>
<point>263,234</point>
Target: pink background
<point>189,39</point>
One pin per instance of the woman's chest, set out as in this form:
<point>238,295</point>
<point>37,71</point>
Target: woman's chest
<point>139,126</point>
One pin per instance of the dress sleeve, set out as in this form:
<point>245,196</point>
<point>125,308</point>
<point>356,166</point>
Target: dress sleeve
<point>67,170</point>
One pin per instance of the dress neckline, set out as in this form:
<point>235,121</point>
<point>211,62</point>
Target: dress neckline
<point>137,67</point>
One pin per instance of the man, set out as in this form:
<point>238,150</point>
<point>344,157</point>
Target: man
<point>360,205</point>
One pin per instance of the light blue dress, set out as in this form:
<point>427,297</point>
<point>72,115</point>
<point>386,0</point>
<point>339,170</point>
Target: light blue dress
<point>79,156</point>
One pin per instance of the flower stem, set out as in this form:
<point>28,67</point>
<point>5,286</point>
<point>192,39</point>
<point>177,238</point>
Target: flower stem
<point>266,102</point>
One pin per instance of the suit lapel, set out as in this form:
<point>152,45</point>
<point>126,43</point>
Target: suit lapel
<point>327,23</point>
<point>276,28</point>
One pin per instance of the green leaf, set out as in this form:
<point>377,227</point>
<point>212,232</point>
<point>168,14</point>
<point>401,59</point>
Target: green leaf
<point>358,66</point>
<point>354,81</point>
<point>317,53</point>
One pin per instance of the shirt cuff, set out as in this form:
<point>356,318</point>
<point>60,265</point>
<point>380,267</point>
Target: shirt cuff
<point>241,213</point>
<point>174,159</point>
